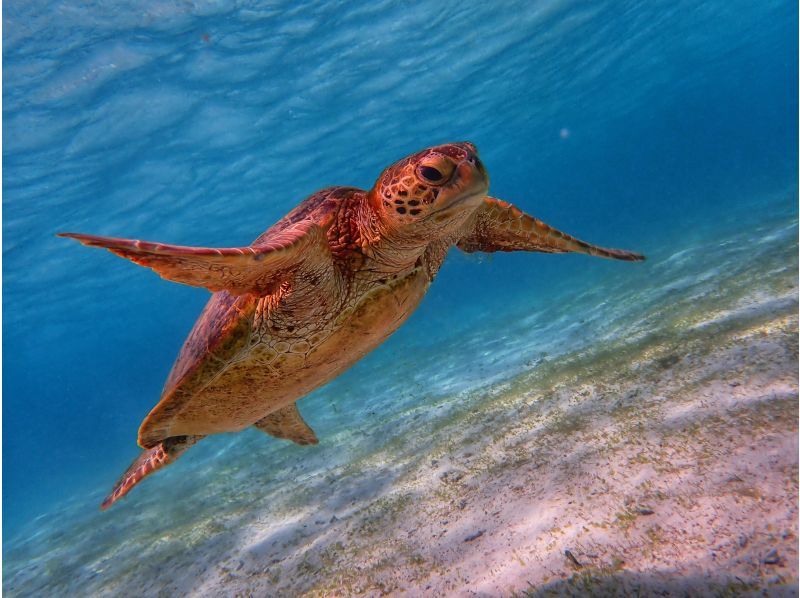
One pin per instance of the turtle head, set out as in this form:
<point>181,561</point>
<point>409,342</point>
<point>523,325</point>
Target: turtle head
<point>432,190</point>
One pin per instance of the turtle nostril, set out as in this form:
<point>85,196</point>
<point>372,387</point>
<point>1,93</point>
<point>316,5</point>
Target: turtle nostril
<point>476,161</point>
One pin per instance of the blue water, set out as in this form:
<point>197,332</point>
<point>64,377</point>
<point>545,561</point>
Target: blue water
<point>645,125</point>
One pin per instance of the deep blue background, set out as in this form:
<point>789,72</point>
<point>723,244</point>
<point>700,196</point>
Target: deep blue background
<point>203,123</point>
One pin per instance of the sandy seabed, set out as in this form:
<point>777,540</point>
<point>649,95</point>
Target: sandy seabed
<point>667,470</point>
<point>655,463</point>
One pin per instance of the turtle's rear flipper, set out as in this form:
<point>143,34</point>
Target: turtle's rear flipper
<point>287,423</point>
<point>150,460</point>
<point>258,269</point>
<point>499,226</point>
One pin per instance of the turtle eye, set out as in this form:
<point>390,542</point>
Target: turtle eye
<point>436,169</point>
<point>431,174</point>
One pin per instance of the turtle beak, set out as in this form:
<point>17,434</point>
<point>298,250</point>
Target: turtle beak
<point>471,185</point>
<point>473,174</point>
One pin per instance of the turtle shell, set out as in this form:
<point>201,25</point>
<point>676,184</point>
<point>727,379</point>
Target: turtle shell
<point>221,332</point>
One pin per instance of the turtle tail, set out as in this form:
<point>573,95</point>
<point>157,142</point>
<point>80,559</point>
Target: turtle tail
<point>152,459</point>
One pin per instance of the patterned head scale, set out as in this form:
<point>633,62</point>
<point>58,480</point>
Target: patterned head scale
<point>428,182</point>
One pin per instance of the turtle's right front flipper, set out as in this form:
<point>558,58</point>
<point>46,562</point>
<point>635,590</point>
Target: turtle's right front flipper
<point>258,269</point>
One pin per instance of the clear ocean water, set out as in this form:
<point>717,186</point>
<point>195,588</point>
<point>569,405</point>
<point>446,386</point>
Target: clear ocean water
<point>668,128</point>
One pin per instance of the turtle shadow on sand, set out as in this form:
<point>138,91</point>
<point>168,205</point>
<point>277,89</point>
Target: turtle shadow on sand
<point>606,581</point>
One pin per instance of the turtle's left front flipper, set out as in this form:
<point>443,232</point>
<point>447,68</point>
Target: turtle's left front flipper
<point>499,226</point>
<point>258,269</point>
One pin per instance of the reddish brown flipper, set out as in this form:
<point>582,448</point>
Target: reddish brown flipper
<point>256,269</point>
<point>500,226</point>
<point>149,461</point>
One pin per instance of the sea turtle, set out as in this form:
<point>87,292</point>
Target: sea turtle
<point>316,292</point>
